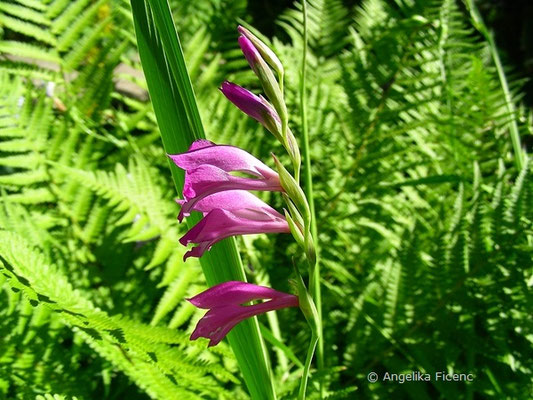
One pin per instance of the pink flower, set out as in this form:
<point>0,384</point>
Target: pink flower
<point>225,304</point>
<point>250,52</point>
<point>269,56</point>
<point>207,170</point>
<point>255,106</point>
<point>230,213</point>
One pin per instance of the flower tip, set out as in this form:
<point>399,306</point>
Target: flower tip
<point>197,251</point>
<point>245,42</point>
<point>225,86</point>
<point>249,50</point>
<point>242,30</point>
<point>175,158</point>
<point>194,302</point>
<point>200,144</point>
<point>184,241</point>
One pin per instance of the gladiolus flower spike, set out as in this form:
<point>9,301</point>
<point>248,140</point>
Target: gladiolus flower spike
<point>207,171</point>
<point>225,304</point>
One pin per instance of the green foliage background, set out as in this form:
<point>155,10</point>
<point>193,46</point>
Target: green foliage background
<point>425,222</point>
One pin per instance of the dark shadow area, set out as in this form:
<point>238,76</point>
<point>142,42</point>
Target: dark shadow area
<point>510,20</point>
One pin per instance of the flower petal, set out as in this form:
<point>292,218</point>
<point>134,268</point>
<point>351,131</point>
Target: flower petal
<point>227,158</point>
<point>207,180</point>
<point>220,319</point>
<point>216,324</point>
<point>219,224</point>
<point>239,202</point>
<point>200,144</point>
<point>255,106</point>
<point>233,292</point>
<point>249,51</point>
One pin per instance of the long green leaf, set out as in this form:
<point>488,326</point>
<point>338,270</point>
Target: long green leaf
<point>179,122</point>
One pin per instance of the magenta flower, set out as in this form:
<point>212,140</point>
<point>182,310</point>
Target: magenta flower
<point>230,213</point>
<point>255,106</point>
<point>269,56</point>
<point>225,304</point>
<point>250,52</point>
<point>265,75</point>
<point>207,171</point>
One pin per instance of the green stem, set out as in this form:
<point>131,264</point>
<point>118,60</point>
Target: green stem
<point>307,366</point>
<point>314,279</point>
<point>513,126</point>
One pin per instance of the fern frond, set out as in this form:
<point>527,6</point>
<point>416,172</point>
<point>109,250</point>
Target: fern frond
<point>327,25</point>
<point>129,346</point>
<point>174,294</point>
<point>31,51</point>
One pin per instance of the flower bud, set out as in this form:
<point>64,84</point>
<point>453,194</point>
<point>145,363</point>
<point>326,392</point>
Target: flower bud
<point>293,211</point>
<point>307,305</point>
<point>294,191</point>
<point>293,149</point>
<point>255,106</point>
<point>265,75</point>
<point>295,230</point>
<point>269,56</point>
<point>310,252</point>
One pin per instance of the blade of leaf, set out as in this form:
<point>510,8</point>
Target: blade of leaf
<point>179,122</point>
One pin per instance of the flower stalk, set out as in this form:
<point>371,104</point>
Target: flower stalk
<point>229,209</point>
<point>312,238</point>
<point>300,213</point>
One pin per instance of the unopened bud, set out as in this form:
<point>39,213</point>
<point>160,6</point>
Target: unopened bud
<point>265,51</point>
<point>293,149</point>
<point>293,190</point>
<point>255,106</point>
<point>265,75</point>
<point>306,304</point>
<point>295,214</point>
<point>309,247</point>
<point>295,230</point>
